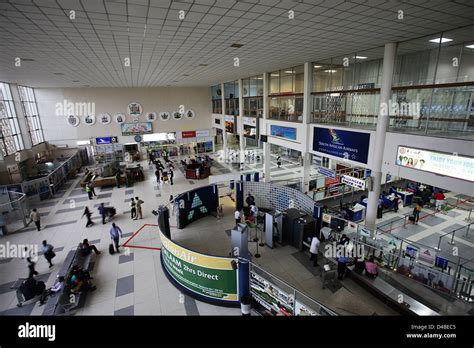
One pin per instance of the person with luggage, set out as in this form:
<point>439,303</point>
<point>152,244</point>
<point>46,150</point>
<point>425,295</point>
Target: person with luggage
<point>139,203</point>
<point>314,251</point>
<point>133,209</point>
<point>48,252</point>
<point>35,217</point>
<point>115,234</point>
<point>86,248</point>
<point>102,212</point>
<point>88,215</point>
<point>416,213</point>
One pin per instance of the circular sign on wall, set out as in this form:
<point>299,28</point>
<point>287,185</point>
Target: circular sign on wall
<point>177,115</point>
<point>89,120</point>
<point>105,118</point>
<point>151,116</point>
<point>138,138</point>
<point>135,109</point>
<point>190,114</point>
<point>120,118</point>
<point>73,120</point>
<point>165,116</point>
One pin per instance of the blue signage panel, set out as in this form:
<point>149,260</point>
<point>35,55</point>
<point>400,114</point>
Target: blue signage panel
<point>327,172</point>
<point>283,132</point>
<point>349,145</point>
<point>103,140</point>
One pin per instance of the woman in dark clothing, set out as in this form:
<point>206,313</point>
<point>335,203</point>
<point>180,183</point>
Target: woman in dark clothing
<point>88,215</point>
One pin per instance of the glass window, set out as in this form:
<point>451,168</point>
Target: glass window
<point>299,79</point>
<point>30,110</point>
<point>10,129</point>
<point>287,80</point>
<point>275,82</point>
<point>253,86</point>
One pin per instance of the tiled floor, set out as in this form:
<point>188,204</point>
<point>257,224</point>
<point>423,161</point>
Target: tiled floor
<point>133,281</point>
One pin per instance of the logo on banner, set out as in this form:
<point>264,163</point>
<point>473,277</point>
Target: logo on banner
<point>335,138</point>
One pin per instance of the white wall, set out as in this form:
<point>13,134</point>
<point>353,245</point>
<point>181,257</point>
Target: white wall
<point>114,100</point>
<point>462,147</point>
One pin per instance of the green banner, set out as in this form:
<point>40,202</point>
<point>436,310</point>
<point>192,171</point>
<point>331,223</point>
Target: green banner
<point>205,275</point>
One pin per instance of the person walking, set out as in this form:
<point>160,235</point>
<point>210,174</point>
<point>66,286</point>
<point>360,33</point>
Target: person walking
<point>133,209</point>
<point>48,252</point>
<point>314,250</point>
<point>139,203</point>
<point>171,175</point>
<point>102,212</point>
<point>237,217</point>
<point>279,161</point>
<point>35,217</point>
<point>416,213</point>
<point>341,267</point>
<point>117,178</point>
<point>157,174</point>
<point>31,268</point>
<point>220,212</point>
<point>91,186</point>
<point>115,234</point>
<point>88,215</point>
<point>89,191</point>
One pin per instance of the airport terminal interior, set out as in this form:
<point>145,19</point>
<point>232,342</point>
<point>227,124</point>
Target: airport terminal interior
<point>264,158</point>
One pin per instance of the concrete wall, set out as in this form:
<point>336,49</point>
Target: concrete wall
<point>115,100</point>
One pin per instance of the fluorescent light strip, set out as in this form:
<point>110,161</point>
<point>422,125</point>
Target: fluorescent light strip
<point>443,40</point>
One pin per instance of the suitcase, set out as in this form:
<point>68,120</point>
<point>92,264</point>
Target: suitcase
<point>111,249</point>
<point>411,218</point>
<point>379,213</point>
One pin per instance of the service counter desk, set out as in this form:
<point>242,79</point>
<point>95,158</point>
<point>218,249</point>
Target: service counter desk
<point>405,196</point>
<point>388,202</point>
<point>190,171</point>
<point>356,214</point>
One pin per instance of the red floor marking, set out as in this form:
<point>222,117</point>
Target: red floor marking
<point>138,246</point>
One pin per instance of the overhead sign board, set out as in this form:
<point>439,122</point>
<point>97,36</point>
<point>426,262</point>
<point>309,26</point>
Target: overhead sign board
<point>329,173</point>
<point>354,182</point>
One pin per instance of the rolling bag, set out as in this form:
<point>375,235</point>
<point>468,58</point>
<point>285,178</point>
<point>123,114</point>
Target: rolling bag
<point>111,249</point>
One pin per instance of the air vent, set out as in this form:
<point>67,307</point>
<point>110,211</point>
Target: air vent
<point>58,73</point>
<point>236,45</point>
<point>27,60</point>
<point>185,74</point>
<point>203,64</point>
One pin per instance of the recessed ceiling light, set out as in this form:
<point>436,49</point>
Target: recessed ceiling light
<point>330,71</point>
<point>236,45</point>
<point>58,73</point>
<point>470,46</point>
<point>203,64</point>
<point>274,75</point>
<point>27,59</point>
<point>289,72</point>
<point>318,66</point>
<point>443,40</point>
<point>360,57</point>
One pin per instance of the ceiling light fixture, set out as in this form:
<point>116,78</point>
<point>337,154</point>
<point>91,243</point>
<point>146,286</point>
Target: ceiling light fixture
<point>470,46</point>
<point>443,40</point>
<point>318,66</point>
<point>360,57</point>
<point>330,71</point>
<point>289,72</point>
<point>274,75</point>
<point>236,45</point>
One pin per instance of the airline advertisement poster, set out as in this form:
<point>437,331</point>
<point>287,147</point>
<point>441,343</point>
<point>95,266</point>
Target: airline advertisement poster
<point>137,128</point>
<point>283,132</point>
<point>459,167</point>
<point>205,275</point>
<point>353,146</point>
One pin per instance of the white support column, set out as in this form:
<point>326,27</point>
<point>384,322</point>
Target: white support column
<point>266,146</point>
<point>389,56</point>
<point>307,107</point>
<point>241,125</point>
<point>224,135</point>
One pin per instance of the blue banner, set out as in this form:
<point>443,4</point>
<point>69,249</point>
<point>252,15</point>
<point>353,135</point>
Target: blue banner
<point>283,132</point>
<point>349,145</point>
<point>327,172</point>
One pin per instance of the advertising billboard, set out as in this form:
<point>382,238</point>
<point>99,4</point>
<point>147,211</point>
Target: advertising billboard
<point>208,276</point>
<point>250,132</point>
<point>460,167</point>
<point>283,132</point>
<point>349,145</point>
<point>137,128</point>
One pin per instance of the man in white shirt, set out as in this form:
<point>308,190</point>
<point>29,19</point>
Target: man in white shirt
<point>35,217</point>
<point>314,250</point>
<point>237,217</point>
